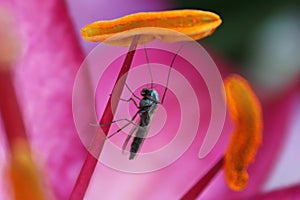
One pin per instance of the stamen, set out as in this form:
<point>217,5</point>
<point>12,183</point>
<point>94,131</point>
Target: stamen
<point>245,111</point>
<point>90,162</point>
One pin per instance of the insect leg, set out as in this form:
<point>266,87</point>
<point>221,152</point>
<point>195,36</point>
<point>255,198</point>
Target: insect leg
<point>114,121</point>
<point>132,92</point>
<point>130,99</point>
<point>106,124</point>
<point>129,122</point>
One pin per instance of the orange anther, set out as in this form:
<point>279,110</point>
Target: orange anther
<point>196,24</point>
<point>245,111</point>
<point>25,177</point>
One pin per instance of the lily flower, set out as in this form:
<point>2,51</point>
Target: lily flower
<point>44,80</point>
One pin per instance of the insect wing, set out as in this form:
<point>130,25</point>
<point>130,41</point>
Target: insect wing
<point>134,128</point>
<point>142,142</point>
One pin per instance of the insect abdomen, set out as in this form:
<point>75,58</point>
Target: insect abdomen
<point>135,147</point>
<point>137,141</point>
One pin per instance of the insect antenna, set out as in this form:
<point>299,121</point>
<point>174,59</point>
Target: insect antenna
<point>169,72</point>
<point>149,68</point>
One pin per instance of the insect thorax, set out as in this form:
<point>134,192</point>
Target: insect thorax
<point>150,97</point>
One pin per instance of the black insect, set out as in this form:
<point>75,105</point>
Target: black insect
<point>146,109</point>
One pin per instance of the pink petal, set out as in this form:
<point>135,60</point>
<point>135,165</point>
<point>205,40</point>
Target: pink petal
<point>44,80</point>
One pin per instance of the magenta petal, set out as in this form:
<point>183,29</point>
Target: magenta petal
<point>44,80</point>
